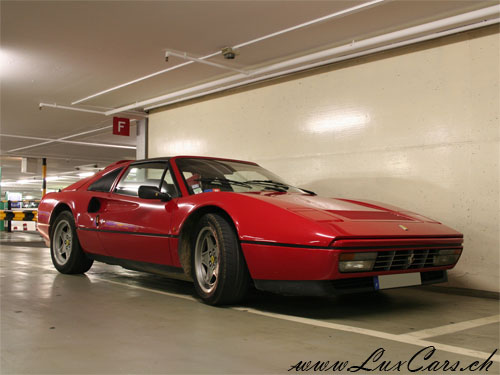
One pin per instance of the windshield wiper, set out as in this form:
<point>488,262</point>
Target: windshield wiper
<point>223,180</point>
<point>280,186</point>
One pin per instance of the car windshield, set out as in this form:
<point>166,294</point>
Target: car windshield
<point>207,175</point>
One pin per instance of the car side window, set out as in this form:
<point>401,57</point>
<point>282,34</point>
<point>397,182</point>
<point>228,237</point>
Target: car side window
<point>144,174</point>
<point>168,185</point>
<point>105,182</point>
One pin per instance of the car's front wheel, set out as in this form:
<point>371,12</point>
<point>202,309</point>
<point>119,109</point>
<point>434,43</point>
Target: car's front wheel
<point>219,270</point>
<point>66,253</point>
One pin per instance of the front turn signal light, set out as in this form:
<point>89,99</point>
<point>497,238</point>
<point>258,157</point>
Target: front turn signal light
<point>357,262</point>
<point>447,257</point>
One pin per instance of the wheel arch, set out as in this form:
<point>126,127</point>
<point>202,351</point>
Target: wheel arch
<point>60,207</point>
<point>188,227</point>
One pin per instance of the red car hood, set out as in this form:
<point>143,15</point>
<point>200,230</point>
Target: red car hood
<point>356,218</point>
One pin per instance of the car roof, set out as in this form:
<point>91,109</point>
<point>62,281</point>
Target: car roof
<point>167,158</point>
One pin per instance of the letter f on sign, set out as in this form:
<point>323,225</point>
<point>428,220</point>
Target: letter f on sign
<point>121,126</point>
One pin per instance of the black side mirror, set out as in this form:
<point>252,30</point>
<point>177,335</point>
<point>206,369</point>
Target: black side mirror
<point>152,192</point>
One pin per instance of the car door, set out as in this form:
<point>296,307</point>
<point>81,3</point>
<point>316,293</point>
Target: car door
<point>93,198</point>
<point>134,228</point>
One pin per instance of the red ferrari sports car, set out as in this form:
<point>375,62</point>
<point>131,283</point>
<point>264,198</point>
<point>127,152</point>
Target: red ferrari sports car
<point>226,224</point>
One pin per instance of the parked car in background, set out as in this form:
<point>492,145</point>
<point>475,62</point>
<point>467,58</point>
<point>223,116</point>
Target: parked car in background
<point>228,224</point>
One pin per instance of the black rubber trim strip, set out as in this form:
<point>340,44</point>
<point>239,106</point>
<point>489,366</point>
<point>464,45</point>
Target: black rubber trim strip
<point>350,248</point>
<point>287,245</point>
<point>136,265</point>
<point>396,246</point>
<point>126,232</point>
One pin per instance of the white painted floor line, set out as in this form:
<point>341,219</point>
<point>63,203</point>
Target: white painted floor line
<point>452,328</point>
<point>190,298</point>
<point>369,332</point>
<point>95,277</point>
<point>404,338</point>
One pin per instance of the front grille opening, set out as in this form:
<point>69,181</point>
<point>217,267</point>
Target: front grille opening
<point>407,259</point>
<point>404,259</point>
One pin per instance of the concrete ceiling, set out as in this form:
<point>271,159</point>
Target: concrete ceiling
<point>62,51</point>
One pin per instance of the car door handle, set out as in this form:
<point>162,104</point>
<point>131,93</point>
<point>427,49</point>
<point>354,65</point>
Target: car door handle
<point>97,220</point>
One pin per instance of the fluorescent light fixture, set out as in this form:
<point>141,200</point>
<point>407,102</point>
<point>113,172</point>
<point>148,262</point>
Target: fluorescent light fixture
<point>27,181</point>
<point>52,178</point>
<point>85,174</point>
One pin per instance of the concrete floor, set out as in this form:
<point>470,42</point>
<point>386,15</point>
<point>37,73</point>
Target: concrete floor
<point>116,321</point>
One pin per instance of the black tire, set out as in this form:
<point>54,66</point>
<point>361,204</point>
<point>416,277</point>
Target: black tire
<point>219,269</point>
<point>65,250</point>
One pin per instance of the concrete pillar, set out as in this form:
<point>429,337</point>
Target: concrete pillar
<point>142,139</point>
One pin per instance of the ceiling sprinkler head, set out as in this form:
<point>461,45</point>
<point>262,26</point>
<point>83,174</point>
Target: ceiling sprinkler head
<point>228,53</point>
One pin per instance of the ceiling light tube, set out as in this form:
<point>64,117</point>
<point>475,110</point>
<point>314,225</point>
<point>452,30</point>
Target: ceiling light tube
<point>86,174</point>
<point>71,142</point>
<point>185,56</point>
<point>280,32</point>
<point>342,50</point>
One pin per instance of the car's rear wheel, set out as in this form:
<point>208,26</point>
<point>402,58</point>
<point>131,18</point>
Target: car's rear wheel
<point>219,270</point>
<point>66,253</point>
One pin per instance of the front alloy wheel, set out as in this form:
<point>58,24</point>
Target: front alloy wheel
<point>206,261</point>
<point>220,272</point>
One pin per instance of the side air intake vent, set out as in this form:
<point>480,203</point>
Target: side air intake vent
<point>94,205</point>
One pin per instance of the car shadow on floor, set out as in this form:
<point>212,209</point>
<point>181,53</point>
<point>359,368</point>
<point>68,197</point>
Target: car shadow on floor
<point>335,307</point>
<point>344,306</point>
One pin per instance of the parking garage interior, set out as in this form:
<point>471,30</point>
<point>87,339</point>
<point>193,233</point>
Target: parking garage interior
<point>387,101</point>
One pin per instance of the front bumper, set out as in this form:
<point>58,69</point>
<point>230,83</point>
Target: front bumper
<point>293,263</point>
<point>322,288</point>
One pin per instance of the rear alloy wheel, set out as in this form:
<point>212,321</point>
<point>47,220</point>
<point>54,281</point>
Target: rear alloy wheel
<point>219,270</point>
<point>66,253</point>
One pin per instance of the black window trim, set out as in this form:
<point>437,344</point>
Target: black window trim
<point>119,169</point>
<point>166,168</point>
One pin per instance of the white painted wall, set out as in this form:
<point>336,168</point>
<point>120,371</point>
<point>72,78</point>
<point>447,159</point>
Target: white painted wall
<point>417,127</point>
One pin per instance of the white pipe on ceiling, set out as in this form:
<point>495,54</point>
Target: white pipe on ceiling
<point>393,37</point>
<point>259,39</point>
<point>71,142</point>
<point>61,139</point>
<point>334,60</point>
<point>185,56</point>
<point>42,105</point>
